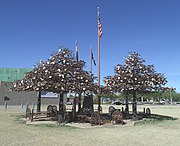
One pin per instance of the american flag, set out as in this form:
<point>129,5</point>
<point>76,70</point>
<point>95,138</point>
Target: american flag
<point>77,54</point>
<point>99,28</point>
<point>77,59</point>
<point>92,57</point>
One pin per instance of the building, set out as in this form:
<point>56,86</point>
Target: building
<point>7,77</point>
<point>13,74</point>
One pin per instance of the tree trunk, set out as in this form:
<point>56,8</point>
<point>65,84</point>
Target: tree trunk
<point>79,104</point>
<point>39,102</point>
<point>134,104</point>
<point>74,109</point>
<point>126,103</point>
<point>61,102</point>
<point>99,102</point>
<point>61,108</point>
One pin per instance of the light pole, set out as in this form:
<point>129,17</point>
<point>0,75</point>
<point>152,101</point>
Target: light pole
<point>16,74</point>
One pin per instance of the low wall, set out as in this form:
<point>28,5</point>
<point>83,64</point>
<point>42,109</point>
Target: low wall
<point>18,98</point>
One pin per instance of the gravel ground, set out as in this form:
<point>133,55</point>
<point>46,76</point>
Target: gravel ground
<point>14,132</point>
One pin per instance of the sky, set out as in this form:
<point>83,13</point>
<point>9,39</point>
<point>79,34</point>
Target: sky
<point>30,30</point>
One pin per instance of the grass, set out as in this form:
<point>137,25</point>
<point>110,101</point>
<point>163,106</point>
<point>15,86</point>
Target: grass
<point>151,122</point>
<point>51,126</point>
<point>161,118</point>
<point>14,132</point>
<point>19,118</point>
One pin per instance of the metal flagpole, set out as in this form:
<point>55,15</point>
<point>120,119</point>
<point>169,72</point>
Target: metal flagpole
<point>91,60</point>
<point>91,93</point>
<point>77,55</point>
<point>99,92</point>
<point>74,103</point>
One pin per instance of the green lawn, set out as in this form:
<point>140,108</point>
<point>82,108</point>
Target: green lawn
<point>14,132</point>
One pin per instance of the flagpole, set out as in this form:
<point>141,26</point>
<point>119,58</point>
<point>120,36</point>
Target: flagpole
<point>91,96</point>
<point>91,60</point>
<point>74,103</point>
<point>99,92</point>
<point>76,44</point>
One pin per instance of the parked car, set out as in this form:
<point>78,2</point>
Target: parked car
<point>106,100</point>
<point>69,103</point>
<point>117,103</point>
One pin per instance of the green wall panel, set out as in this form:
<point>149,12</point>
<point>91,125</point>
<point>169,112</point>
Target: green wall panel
<point>13,74</point>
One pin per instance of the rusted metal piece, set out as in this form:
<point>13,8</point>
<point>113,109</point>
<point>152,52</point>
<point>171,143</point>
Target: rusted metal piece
<point>106,118</point>
<point>62,114</point>
<point>95,118</point>
<point>52,111</point>
<point>88,108</point>
<point>100,109</point>
<point>73,113</point>
<point>148,112</point>
<point>49,110</point>
<point>32,114</point>
<point>67,117</point>
<point>28,113</point>
<point>134,116</point>
<point>54,108</point>
<point>111,110</point>
<point>50,115</point>
<point>117,117</point>
<point>42,116</point>
<point>87,111</point>
<point>82,118</point>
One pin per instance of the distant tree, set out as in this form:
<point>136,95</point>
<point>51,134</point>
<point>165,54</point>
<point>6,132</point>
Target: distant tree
<point>134,76</point>
<point>176,97</point>
<point>111,96</point>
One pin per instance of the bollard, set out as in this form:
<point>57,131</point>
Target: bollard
<point>144,110</point>
<point>5,105</point>
<point>21,105</point>
<point>32,115</point>
<point>27,105</point>
<point>122,109</point>
<point>33,105</point>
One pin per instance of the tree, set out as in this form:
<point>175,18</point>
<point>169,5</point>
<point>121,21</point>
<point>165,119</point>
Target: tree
<point>60,74</point>
<point>134,76</point>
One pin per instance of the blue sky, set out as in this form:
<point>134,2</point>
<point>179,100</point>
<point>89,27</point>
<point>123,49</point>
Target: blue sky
<point>30,30</point>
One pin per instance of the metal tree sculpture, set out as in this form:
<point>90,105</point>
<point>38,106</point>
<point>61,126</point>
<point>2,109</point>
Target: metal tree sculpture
<point>82,81</point>
<point>60,74</point>
<point>134,76</point>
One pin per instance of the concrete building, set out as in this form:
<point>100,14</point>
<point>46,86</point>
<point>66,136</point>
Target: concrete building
<point>7,77</point>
